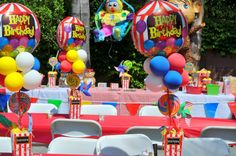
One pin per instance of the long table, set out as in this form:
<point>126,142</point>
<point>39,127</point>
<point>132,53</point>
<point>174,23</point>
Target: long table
<point>143,97</point>
<point>113,124</point>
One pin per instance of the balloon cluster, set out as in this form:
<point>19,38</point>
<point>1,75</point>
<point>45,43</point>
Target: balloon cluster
<point>19,36</point>
<point>71,37</point>
<point>168,71</point>
<point>158,32</point>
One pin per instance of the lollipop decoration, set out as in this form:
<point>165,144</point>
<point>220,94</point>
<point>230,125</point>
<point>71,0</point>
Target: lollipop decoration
<point>52,75</point>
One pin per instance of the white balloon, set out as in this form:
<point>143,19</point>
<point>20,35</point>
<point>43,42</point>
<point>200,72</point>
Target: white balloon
<point>32,79</point>
<point>153,83</point>
<point>82,55</point>
<point>146,66</point>
<point>24,61</point>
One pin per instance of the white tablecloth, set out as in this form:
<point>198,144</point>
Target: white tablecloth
<point>198,100</point>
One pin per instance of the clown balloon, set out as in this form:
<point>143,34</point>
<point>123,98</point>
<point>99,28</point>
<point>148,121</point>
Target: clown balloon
<point>159,28</point>
<point>114,21</point>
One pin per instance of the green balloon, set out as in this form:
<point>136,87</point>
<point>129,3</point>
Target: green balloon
<point>14,53</point>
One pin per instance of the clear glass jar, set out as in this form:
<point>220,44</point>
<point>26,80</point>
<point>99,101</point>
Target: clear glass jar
<point>62,80</point>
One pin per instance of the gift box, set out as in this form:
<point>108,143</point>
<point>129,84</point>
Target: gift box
<point>52,77</point>
<point>21,143</point>
<point>172,142</point>
<point>75,104</point>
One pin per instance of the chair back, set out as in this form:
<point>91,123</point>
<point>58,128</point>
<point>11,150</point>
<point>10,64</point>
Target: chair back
<point>153,133</point>
<point>205,147</point>
<point>76,128</point>
<point>66,145</point>
<point>150,111</point>
<point>5,145</point>
<point>125,145</point>
<point>43,108</point>
<point>228,134</point>
<point>94,109</point>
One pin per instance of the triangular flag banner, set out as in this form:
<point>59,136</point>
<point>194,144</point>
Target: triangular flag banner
<point>86,102</point>
<point>3,101</point>
<point>132,108</point>
<point>210,109</point>
<point>110,103</point>
<point>33,100</point>
<point>232,106</point>
<point>5,122</point>
<point>57,103</point>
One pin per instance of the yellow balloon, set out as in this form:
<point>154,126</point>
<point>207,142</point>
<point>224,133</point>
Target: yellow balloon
<point>78,67</point>
<point>7,65</point>
<point>14,81</point>
<point>72,55</point>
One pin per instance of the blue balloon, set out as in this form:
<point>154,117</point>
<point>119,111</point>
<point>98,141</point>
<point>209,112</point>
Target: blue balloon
<point>70,40</point>
<point>159,65</point>
<point>58,66</point>
<point>172,80</point>
<point>31,43</point>
<point>179,42</point>
<point>36,64</point>
<point>3,41</point>
<point>148,44</point>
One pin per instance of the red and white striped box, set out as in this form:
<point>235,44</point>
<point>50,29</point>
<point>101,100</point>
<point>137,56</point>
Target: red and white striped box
<point>125,83</point>
<point>75,104</point>
<point>114,85</point>
<point>22,144</point>
<point>173,143</point>
<point>52,77</point>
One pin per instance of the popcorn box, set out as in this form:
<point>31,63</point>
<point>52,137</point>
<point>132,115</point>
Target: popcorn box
<point>75,104</point>
<point>125,83</point>
<point>173,143</point>
<point>21,143</point>
<point>52,77</point>
<point>114,85</point>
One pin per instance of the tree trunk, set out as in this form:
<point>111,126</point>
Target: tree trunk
<point>80,9</point>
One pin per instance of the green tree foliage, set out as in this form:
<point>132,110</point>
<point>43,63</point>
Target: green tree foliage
<point>49,13</point>
<point>219,35</point>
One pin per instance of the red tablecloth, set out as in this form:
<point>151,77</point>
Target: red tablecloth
<point>114,124</point>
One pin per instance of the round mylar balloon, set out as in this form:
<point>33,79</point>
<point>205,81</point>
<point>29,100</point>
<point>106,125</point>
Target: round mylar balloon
<point>20,29</point>
<point>159,26</point>
<point>169,104</point>
<point>71,33</point>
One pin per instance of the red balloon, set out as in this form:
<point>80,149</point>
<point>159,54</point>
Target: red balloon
<point>2,77</point>
<point>177,62</point>
<point>62,56</point>
<point>185,79</point>
<point>66,66</point>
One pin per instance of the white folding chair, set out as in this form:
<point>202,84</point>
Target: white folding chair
<point>150,111</point>
<point>205,147</point>
<point>94,109</point>
<point>76,128</point>
<point>154,133</point>
<point>124,145</point>
<point>66,145</point>
<point>5,145</point>
<point>43,108</point>
<point>228,134</point>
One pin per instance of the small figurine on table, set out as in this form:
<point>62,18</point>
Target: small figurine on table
<point>89,77</point>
